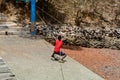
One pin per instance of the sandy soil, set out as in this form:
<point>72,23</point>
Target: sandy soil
<point>104,62</point>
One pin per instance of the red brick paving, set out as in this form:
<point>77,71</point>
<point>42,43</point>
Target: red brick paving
<point>104,62</point>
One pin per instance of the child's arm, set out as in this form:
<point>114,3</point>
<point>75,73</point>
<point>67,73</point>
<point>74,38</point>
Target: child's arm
<point>54,43</point>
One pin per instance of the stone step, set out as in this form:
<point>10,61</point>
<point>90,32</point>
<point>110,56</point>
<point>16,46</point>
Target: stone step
<point>1,60</point>
<point>2,63</point>
<point>8,23</point>
<point>9,32</point>
<point>7,76</point>
<point>4,68</point>
<point>5,72</point>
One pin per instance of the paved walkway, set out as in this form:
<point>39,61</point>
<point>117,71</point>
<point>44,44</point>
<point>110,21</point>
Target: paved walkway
<point>30,60</point>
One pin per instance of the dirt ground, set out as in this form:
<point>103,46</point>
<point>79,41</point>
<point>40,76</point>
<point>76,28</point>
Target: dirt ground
<point>104,62</point>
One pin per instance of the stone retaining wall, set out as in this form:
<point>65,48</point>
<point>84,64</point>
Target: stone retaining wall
<point>87,37</point>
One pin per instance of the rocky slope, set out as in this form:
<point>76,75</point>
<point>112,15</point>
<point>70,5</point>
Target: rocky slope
<point>90,13</point>
<point>83,13</point>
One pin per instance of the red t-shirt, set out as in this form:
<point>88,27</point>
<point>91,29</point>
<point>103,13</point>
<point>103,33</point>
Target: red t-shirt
<point>58,45</point>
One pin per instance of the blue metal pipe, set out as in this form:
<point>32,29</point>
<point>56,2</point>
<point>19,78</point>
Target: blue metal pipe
<point>33,16</point>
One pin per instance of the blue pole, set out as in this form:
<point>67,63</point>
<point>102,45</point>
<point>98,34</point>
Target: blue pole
<point>33,17</point>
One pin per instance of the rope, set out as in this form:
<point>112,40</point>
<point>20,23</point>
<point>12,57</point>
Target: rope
<point>62,71</point>
<point>60,63</point>
<point>42,19</point>
<point>49,15</point>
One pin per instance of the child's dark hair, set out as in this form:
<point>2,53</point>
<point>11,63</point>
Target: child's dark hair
<point>59,37</point>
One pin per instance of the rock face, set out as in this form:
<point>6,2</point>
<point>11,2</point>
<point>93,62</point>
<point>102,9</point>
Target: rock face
<point>90,13</point>
<point>88,37</point>
<point>102,13</point>
<point>83,13</point>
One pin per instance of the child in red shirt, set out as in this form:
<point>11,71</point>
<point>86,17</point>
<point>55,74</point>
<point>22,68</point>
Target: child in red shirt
<point>58,45</point>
